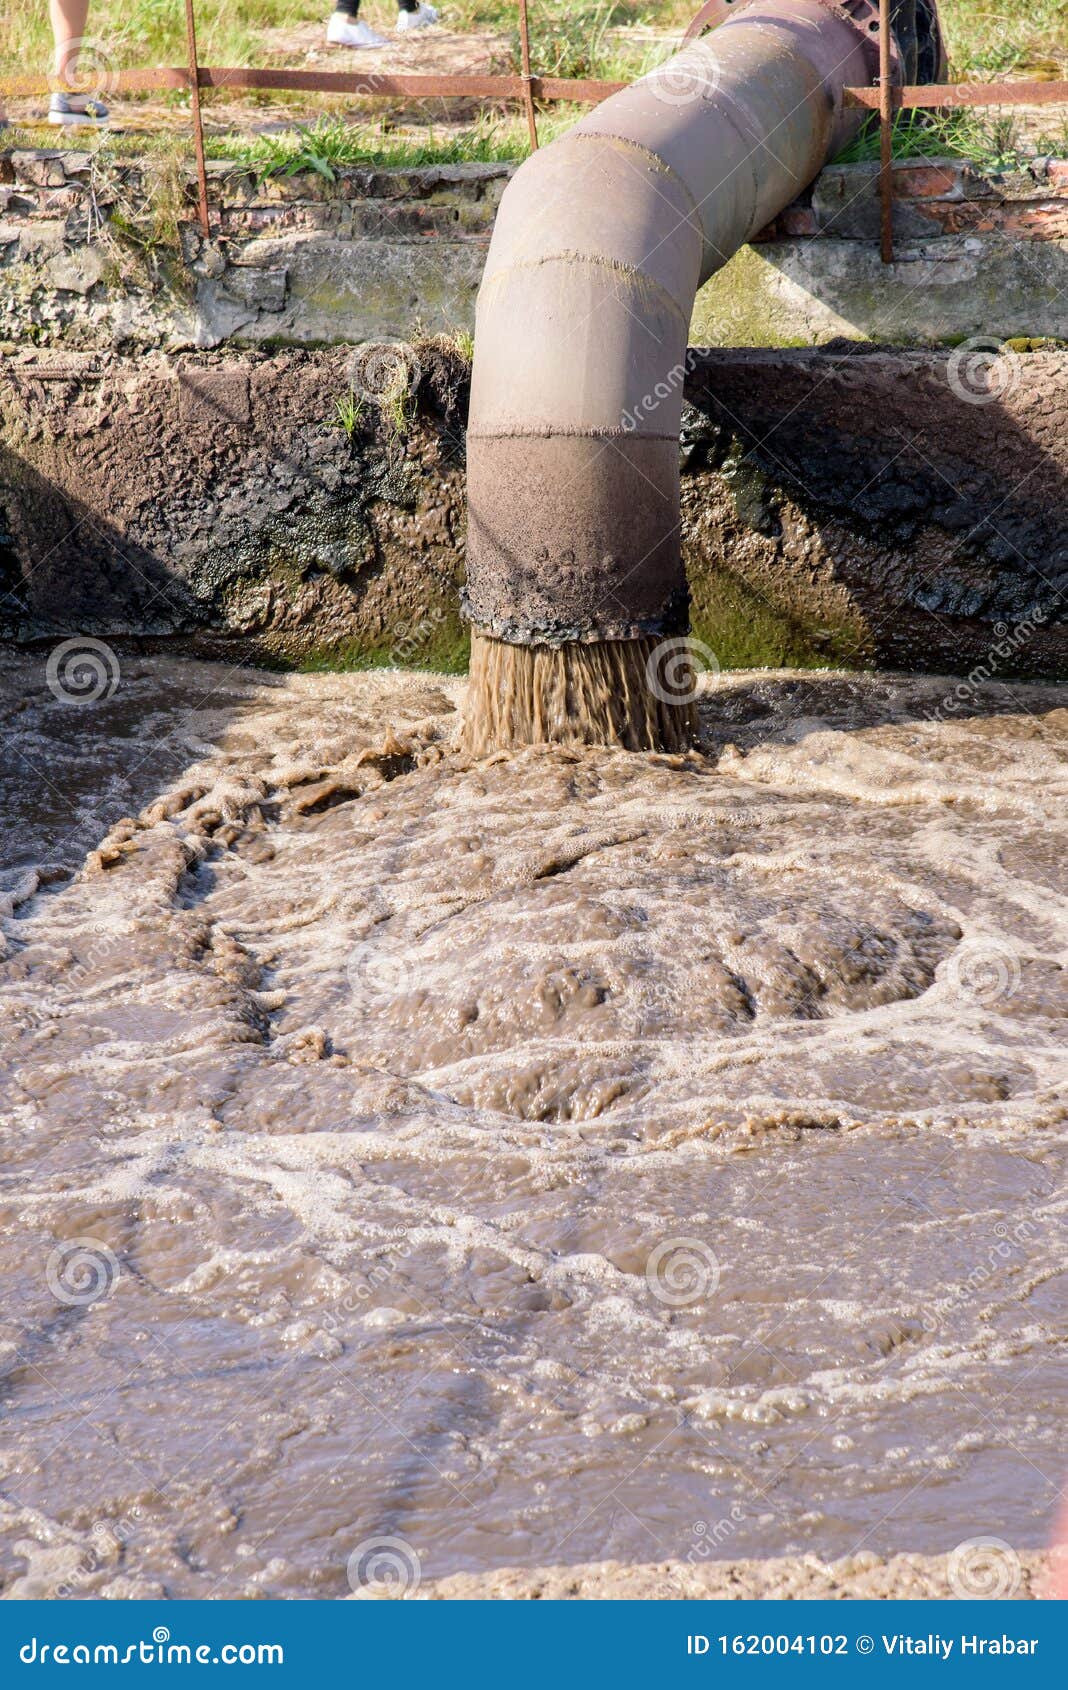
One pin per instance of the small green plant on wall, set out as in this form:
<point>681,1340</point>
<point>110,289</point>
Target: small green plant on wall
<point>348,413</point>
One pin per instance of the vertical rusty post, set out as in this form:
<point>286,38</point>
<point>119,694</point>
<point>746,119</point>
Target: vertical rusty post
<point>886,137</point>
<point>198,121</point>
<point>528,95</point>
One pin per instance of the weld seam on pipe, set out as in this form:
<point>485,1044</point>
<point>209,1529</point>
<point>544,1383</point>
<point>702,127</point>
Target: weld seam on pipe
<point>732,111</point>
<point>564,433</point>
<point>660,164</point>
<point>628,274</point>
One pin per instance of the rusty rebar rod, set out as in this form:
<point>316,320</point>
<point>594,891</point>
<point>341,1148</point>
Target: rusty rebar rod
<point>886,137</point>
<point>524,58</point>
<point>934,96</point>
<point>373,84</point>
<point>948,96</point>
<point>198,120</point>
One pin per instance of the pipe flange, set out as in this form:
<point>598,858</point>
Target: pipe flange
<point>711,15</point>
<point>862,14</point>
<point>932,64</point>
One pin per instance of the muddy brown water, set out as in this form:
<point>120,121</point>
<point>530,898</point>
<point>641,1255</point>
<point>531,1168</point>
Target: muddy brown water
<point>550,1159</point>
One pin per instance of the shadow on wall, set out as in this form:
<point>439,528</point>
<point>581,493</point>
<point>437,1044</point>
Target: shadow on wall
<point>910,509</point>
<point>66,568</point>
<point>839,509</point>
<point>258,505</point>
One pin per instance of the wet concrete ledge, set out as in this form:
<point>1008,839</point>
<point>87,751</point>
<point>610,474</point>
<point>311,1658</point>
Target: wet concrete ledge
<point>99,253</point>
<point>841,506</point>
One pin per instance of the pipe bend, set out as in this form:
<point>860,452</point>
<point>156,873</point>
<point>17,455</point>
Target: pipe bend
<point>600,245</point>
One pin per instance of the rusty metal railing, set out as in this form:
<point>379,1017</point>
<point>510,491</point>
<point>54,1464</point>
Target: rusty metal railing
<point>885,98</point>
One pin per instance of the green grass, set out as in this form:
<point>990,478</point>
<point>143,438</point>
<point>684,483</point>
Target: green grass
<point>578,38</point>
<point>348,413</point>
<point>994,141</point>
<point>986,38</point>
<point>332,144</point>
<point>748,631</point>
<point>143,32</point>
<point>440,644</point>
<point>583,40</point>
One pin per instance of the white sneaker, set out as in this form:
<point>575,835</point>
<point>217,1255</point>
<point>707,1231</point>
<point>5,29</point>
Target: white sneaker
<point>72,109</point>
<point>425,17</point>
<point>342,32</point>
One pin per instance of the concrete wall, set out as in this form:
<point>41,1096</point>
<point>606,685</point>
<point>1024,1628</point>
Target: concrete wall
<point>974,254</point>
<point>838,507</point>
<point>108,256</point>
<point>101,255</point>
<point>191,449</point>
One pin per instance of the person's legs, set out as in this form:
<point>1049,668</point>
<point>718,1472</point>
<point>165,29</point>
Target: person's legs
<point>415,14</point>
<point>345,29</point>
<point>68,31</point>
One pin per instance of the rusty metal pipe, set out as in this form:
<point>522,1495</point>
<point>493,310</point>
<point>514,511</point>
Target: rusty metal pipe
<point>600,245</point>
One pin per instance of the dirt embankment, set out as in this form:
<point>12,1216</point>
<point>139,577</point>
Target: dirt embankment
<point>838,506</point>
